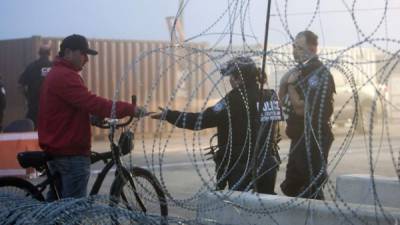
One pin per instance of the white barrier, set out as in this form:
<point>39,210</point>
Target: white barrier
<point>239,208</point>
<point>357,188</point>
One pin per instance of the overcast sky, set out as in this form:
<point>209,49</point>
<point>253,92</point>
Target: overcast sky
<point>145,19</point>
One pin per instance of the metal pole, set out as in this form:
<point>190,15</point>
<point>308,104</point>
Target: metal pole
<point>265,45</point>
<point>181,16</point>
<point>262,81</point>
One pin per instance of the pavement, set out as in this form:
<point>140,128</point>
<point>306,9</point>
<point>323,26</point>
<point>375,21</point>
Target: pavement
<point>178,163</point>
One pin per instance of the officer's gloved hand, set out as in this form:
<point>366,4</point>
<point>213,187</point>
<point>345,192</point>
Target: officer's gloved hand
<point>96,120</point>
<point>140,111</point>
<point>159,115</point>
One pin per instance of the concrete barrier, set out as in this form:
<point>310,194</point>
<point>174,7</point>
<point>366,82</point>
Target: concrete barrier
<point>357,188</point>
<point>246,208</point>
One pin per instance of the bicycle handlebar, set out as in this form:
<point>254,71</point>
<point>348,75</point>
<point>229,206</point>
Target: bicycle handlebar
<point>107,123</point>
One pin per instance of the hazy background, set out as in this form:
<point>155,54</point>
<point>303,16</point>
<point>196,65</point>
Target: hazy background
<point>145,19</point>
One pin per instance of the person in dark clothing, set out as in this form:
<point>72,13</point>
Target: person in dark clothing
<point>31,81</point>
<point>307,93</point>
<point>2,102</point>
<point>237,121</point>
<point>268,137</point>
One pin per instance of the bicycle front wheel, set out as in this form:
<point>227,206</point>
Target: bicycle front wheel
<point>142,192</point>
<point>19,187</point>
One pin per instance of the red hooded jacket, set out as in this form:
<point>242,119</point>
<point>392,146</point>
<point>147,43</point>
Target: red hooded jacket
<point>65,105</point>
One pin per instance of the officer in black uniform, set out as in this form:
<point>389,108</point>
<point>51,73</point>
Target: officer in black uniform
<point>237,121</point>
<point>268,137</point>
<point>2,102</point>
<point>31,81</point>
<point>307,92</point>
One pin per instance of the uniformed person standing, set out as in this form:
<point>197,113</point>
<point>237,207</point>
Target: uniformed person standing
<point>307,93</point>
<point>268,136</point>
<point>31,81</point>
<point>237,121</point>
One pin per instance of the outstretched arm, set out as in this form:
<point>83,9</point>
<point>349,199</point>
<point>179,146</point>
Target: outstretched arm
<point>72,90</point>
<point>208,118</point>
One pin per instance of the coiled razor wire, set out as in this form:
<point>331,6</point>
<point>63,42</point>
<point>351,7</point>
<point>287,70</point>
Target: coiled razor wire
<point>182,55</point>
<point>19,210</point>
<point>279,57</point>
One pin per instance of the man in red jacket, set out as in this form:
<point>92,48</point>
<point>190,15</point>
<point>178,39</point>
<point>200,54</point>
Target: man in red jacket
<point>64,109</point>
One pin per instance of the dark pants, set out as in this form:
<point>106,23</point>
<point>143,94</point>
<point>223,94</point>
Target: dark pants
<point>74,172</point>
<point>298,175</point>
<point>221,176</point>
<point>266,174</point>
<point>238,176</point>
<point>231,176</point>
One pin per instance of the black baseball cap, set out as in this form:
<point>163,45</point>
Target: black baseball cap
<point>76,42</point>
<point>238,65</point>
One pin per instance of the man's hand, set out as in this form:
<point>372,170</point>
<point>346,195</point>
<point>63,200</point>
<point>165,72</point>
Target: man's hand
<point>140,111</point>
<point>159,115</point>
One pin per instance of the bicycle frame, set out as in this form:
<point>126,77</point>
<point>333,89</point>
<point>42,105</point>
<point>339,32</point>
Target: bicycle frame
<point>100,177</point>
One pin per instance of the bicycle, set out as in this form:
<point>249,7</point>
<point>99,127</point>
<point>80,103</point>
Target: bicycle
<point>148,195</point>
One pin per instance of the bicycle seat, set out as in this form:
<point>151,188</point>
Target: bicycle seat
<point>35,159</point>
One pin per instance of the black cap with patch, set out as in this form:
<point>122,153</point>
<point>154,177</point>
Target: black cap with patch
<point>238,65</point>
<point>76,42</point>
